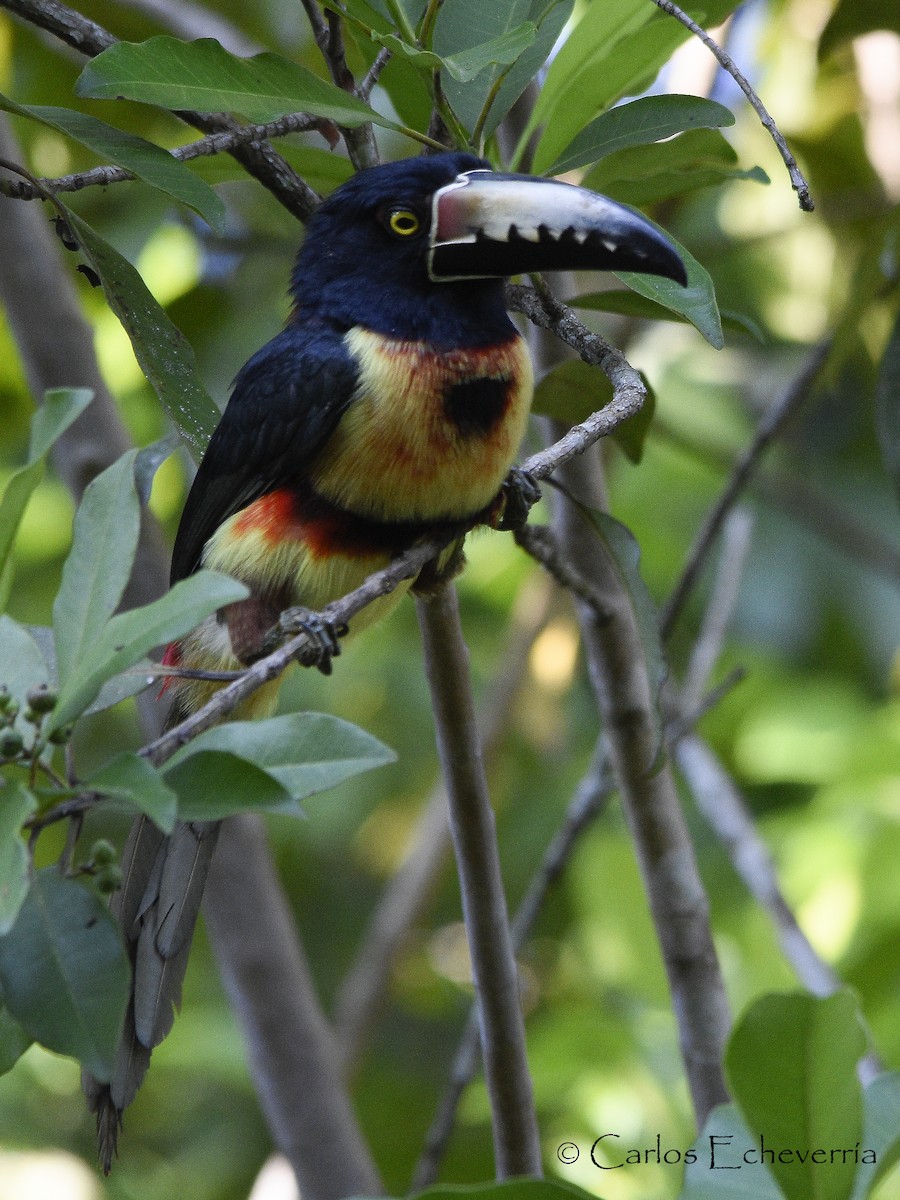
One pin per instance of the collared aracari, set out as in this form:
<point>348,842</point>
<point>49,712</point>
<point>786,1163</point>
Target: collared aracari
<point>392,404</point>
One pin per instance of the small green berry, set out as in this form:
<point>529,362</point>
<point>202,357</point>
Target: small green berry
<point>103,853</point>
<point>109,879</point>
<point>42,699</point>
<point>59,737</point>
<point>11,744</point>
<point>5,697</point>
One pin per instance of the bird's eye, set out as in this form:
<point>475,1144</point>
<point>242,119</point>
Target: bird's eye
<point>403,222</point>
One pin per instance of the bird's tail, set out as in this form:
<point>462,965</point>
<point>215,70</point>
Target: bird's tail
<point>157,908</point>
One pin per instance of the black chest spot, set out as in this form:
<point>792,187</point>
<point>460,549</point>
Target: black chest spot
<point>476,406</point>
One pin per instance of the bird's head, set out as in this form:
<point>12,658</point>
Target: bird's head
<point>392,246</point>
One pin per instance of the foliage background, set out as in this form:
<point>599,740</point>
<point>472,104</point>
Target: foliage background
<point>812,734</point>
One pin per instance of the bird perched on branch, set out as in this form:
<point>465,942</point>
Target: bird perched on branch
<point>391,406</point>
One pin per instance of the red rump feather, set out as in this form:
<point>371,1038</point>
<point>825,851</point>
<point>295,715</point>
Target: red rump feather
<point>171,658</point>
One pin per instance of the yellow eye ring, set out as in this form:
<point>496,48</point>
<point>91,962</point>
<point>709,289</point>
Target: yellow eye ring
<point>403,222</point>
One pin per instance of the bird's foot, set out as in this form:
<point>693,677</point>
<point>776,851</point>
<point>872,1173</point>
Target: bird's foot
<point>323,645</point>
<point>517,497</point>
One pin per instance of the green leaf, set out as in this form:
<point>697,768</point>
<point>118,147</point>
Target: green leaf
<point>61,407</point>
<point>467,26</point>
<point>133,779</point>
<point>203,76</point>
<point>149,460</point>
<point>64,973</point>
<point>98,566</point>
<point>112,692</point>
<point>887,406</point>
<point>129,635</point>
<point>630,304</point>
<point>304,753</point>
<point>697,301</point>
<point>507,1189</point>
<point>622,69</point>
<point>16,805</point>
<point>16,495</point>
<point>14,1041</point>
<point>550,21</point>
<point>791,1065</point>
<point>646,175</point>
<point>22,667</point>
<point>163,352</point>
<point>881,1132</point>
<point>573,390</point>
<point>625,553</point>
<point>648,119</point>
<point>719,1170</point>
<point>368,16</point>
<point>465,64</point>
<point>147,161</point>
<point>213,784</point>
<point>595,35</point>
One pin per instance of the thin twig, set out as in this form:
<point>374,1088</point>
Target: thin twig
<point>736,532</point>
<point>212,143</point>
<point>318,25</point>
<point>802,502</point>
<point>770,426</point>
<point>723,808</point>
<point>502,1031</point>
<point>539,542</point>
<point>801,187</point>
<point>368,81</point>
<point>360,141</point>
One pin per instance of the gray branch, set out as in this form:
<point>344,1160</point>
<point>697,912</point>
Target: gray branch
<point>517,1147</point>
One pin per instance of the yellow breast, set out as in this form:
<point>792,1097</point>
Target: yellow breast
<point>430,433</point>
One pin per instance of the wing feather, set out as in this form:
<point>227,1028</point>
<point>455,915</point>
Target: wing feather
<point>286,403</point>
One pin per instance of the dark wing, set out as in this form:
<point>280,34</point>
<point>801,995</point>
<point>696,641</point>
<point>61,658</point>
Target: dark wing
<point>286,403</point>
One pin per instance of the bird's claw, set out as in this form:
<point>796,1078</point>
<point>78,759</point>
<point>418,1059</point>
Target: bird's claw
<point>519,494</point>
<point>324,643</point>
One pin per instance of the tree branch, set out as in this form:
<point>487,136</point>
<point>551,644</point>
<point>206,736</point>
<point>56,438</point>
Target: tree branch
<point>618,671</point>
<point>212,143</point>
<point>736,533</point>
<point>516,1139</point>
<point>677,899</point>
